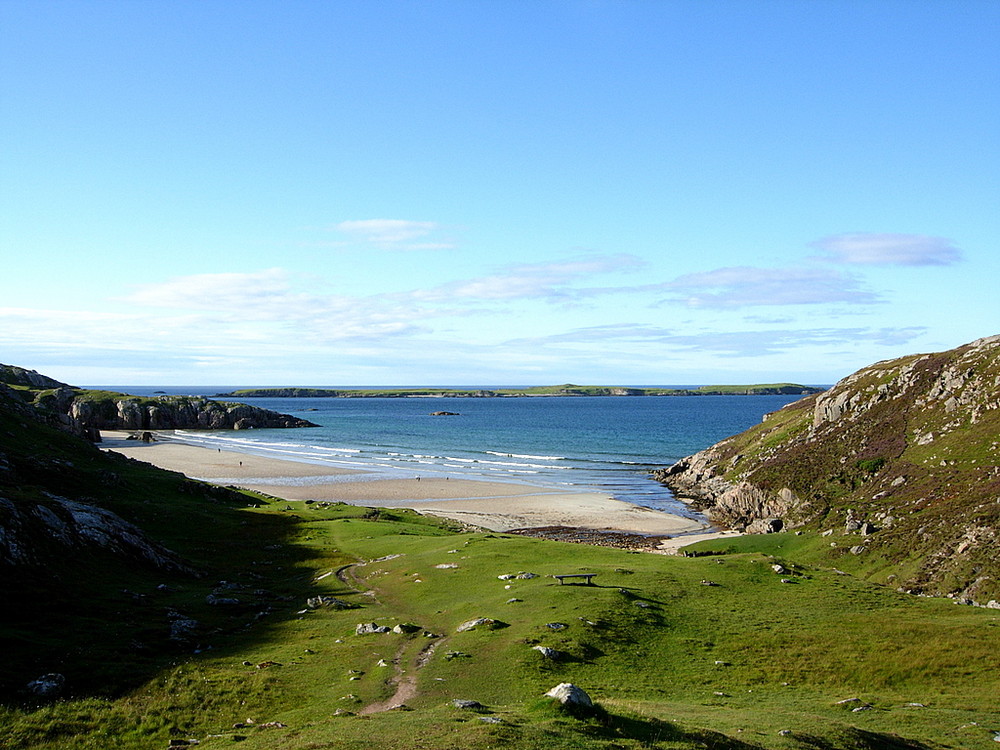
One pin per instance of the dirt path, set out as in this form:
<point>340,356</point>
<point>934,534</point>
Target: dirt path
<point>406,681</point>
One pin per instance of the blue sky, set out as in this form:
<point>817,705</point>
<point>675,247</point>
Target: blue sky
<point>348,193</point>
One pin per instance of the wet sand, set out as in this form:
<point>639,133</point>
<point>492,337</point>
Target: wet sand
<point>498,506</point>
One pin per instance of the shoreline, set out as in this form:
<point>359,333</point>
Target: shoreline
<point>496,506</point>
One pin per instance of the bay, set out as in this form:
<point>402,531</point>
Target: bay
<point>604,444</point>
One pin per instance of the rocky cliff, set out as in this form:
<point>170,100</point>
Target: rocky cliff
<point>85,412</point>
<point>122,412</point>
<point>902,455</point>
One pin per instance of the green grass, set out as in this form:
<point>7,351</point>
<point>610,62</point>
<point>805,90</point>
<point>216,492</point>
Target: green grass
<point>788,651</point>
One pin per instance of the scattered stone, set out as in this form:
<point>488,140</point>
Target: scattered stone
<point>513,599</point>
<point>315,602</point>
<point>449,655</point>
<point>526,576</point>
<point>48,685</point>
<point>459,703</point>
<point>367,628</point>
<point>491,719</point>
<point>183,629</point>
<point>556,625</point>
<point>247,663</point>
<point>221,601</point>
<point>828,532</point>
<point>266,664</point>
<point>858,549</point>
<point>709,583</point>
<point>643,605</point>
<point>485,622</point>
<point>784,732</point>
<point>176,742</point>
<point>779,569</point>
<point>569,694</point>
<point>787,580</point>
<point>868,528</point>
<point>549,653</point>
<point>720,663</point>
<point>272,725</point>
<point>446,566</point>
<point>382,663</point>
<point>405,627</point>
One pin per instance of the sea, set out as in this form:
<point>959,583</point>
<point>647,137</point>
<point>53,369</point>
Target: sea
<point>572,444</point>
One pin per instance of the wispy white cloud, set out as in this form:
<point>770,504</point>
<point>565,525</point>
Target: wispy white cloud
<point>395,234</point>
<point>744,286</point>
<point>875,249</point>
<point>552,280</point>
<point>753,343</point>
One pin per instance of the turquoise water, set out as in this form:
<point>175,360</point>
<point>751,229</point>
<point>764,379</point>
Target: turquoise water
<point>608,444</point>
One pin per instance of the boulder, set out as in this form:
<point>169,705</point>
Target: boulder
<point>48,685</point>
<point>481,622</point>
<point>315,602</point>
<point>550,653</point>
<point>570,695</point>
<point>368,628</point>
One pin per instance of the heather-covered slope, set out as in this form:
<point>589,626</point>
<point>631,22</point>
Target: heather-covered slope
<point>901,457</point>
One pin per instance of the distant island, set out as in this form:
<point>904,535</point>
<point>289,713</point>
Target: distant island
<point>568,389</point>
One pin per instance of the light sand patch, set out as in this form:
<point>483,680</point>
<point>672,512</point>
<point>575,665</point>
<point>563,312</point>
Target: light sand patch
<point>673,546</point>
<point>498,506</point>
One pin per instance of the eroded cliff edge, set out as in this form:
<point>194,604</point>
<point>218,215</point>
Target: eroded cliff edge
<point>903,454</point>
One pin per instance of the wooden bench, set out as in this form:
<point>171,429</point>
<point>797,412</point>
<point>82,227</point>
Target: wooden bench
<point>588,576</point>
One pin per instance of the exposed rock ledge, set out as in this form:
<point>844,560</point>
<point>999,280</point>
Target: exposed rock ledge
<point>63,524</point>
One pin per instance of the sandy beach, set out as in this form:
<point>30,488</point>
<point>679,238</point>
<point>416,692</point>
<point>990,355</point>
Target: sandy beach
<point>498,506</point>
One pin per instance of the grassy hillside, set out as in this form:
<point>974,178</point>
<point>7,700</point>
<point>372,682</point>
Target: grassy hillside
<point>674,663</point>
<point>909,446</point>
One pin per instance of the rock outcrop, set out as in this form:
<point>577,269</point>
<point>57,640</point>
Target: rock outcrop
<point>909,447</point>
<point>86,412</point>
<point>120,412</point>
<point>64,524</point>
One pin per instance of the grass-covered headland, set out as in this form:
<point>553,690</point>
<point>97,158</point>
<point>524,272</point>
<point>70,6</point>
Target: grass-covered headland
<point>248,634</point>
<point>567,389</point>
